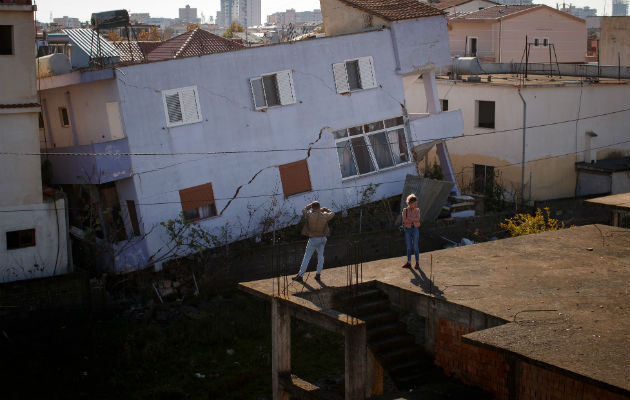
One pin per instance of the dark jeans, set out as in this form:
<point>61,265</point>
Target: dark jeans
<point>411,239</point>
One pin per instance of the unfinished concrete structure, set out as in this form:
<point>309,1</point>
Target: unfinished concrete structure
<point>539,316</point>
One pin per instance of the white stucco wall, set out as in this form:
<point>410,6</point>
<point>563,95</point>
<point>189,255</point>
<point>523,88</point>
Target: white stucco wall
<point>554,141</point>
<point>49,256</point>
<point>620,182</point>
<point>230,123</point>
<point>420,44</point>
<point>87,108</point>
<point>17,71</point>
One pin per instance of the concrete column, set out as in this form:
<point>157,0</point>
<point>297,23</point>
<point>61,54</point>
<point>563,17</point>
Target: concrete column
<point>431,91</point>
<point>374,375</point>
<point>356,360</point>
<point>447,167</point>
<point>280,347</point>
<point>73,125</point>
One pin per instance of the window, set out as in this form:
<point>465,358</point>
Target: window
<point>272,90</point>
<point>371,147</point>
<point>63,117</point>
<point>483,179</point>
<point>354,75</point>
<point>545,42</point>
<point>536,42</point>
<point>472,47</point>
<point>6,40</point>
<point>198,202</point>
<point>133,217</point>
<point>485,114</point>
<point>181,106</point>
<point>444,104</point>
<point>41,121</point>
<point>295,178</point>
<point>20,239</point>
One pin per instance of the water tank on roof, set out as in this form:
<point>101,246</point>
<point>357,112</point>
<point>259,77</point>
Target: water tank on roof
<point>53,64</point>
<point>110,19</point>
<point>467,66</point>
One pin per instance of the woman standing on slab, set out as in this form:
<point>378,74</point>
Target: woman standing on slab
<point>411,222</point>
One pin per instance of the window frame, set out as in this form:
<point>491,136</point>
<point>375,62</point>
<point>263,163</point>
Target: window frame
<point>198,203</point>
<point>62,120</point>
<point>11,41</point>
<point>348,138</point>
<point>366,76</point>
<point>20,234</point>
<point>290,168</point>
<point>443,102</point>
<point>484,181</point>
<point>478,114</point>
<point>284,88</point>
<point>185,107</point>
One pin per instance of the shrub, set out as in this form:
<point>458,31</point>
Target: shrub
<point>524,224</point>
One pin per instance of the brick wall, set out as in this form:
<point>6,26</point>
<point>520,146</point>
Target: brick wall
<point>470,364</point>
<point>505,377</point>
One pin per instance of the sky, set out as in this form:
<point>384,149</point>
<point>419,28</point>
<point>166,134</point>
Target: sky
<point>83,9</point>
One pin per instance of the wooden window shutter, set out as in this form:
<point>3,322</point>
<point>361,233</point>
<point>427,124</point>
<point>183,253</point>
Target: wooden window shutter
<point>196,196</point>
<point>190,105</point>
<point>341,77</point>
<point>366,70</point>
<point>295,178</point>
<point>258,93</point>
<point>285,87</point>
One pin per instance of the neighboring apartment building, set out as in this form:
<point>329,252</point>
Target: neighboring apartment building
<point>461,6</point>
<point>188,15</point>
<point>33,230</point>
<point>67,22</point>
<point>567,120</point>
<point>498,34</point>
<point>614,41</point>
<point>619,8</point>
<point>240,141</point>
<point>245,12</point>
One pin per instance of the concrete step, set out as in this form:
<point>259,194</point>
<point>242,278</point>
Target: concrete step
<point>395,355</point>
<point>360,295</point>
<point>380,318</point>
<point>400,367</point>
<point>406,380</point>
<point>391,342</point>
<point>368,307</point>
<point>379,331</point>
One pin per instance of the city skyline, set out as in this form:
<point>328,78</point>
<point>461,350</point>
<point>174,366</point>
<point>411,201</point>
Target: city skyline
<point>83,10</point>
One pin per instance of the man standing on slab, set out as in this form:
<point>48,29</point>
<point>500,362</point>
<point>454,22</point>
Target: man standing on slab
<point>316,228</point>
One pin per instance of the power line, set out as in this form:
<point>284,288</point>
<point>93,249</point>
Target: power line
<point>343,187</point>
<point>230,152</point>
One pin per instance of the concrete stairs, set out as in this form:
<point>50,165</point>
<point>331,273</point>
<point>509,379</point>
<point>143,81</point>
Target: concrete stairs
<point>388,339</point>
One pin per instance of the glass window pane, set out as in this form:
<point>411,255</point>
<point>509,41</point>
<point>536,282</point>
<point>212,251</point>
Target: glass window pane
<point>259,93</point>
<point>271,90</point>
<point>355,130</point>
<point>206,211</point>
<point>380,148</point>
<point>354,81</point>
<point>373,126</point>
<point>346,160</point>
<point>340,134</point>
<point>393,122</point>
<point>398,144</point>
<point>364,161</point>
<point>191,214</point>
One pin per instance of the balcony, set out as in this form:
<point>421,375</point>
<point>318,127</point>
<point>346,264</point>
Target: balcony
<point>94,164</point>
<point>428,129</point>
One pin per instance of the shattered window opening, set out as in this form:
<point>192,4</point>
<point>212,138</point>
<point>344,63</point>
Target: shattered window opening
<point>372,147</point>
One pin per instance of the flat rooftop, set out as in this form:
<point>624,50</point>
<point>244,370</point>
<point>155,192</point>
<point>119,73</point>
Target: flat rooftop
<point>532,80</point>
<point>565,295</point>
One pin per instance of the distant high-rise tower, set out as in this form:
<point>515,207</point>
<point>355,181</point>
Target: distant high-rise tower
<point>619,8</point>
<point>188,14</point>
<point>245,12</point>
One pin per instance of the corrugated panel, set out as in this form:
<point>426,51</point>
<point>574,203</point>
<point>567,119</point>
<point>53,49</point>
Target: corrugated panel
<point>432,195</point>
<point>88,41</point>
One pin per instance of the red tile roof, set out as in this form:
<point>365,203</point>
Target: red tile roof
<point>494,12</point>
<point>395,10</point>
<point>444,4</point>
<point>192,43</point>
<point>28,105</point>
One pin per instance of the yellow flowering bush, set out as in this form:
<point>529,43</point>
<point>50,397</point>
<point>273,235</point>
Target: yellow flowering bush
<point>524,224</point>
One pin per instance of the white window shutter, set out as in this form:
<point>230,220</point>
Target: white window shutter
<point>341,78</point>
<point>190,105</point>
<point>258,93</point>
<point>285,87</point>
<point>366,70</point>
